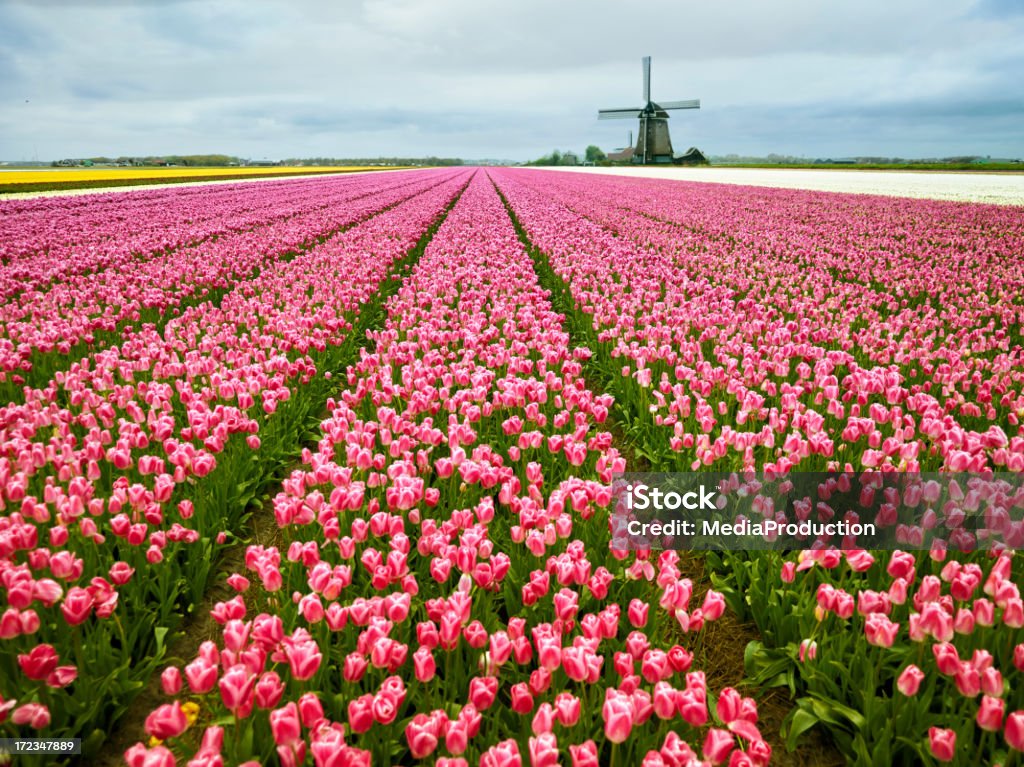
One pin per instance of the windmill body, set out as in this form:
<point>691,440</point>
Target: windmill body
<point>654,144</point>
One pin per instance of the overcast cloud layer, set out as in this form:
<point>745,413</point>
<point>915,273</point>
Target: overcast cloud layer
<point>501,79</point>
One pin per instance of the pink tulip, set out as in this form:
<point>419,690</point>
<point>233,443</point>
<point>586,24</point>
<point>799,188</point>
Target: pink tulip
<point>268,690</point>
<point>543,750</point>
<point>504,754</point>
<point>618,716</point>
<point>383,707</point>
<point>201,675</point>
<point>909,681</point>
<point>39,662</point>
<point>567,709</point>
<point>584,754</point>
<point>544,719</point>
<point>942,743</point>
<point>167,721</point>
<point>718,744</point>
<point>360,713</point>
<point>1014,730</point>
<point>522,700</point>
<point>34,715</point>
<point>879,630</point>
<point>482,692</point>
<point>990,714</point>
<point>637,613</point>
<point>285,725</point>
<point>303,658</point>
<point>310,710</point>
<point>422,736</point>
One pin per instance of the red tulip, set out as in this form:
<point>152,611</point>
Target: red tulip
<point>39,662</point>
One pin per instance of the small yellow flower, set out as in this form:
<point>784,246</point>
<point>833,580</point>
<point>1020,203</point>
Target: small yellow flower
<point>154,741</point>
<point>191,711</point>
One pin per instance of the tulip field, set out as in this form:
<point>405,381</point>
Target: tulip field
<point>419,388</point>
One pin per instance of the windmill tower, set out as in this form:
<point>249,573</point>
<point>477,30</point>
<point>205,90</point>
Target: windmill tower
<point>653,144</point>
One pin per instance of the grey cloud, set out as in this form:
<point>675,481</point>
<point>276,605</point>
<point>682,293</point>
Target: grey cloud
<point>488,78</point>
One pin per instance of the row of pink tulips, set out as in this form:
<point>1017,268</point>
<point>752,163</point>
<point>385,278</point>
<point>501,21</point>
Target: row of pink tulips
<point>54,238</point>
<point>135,289</point>
<point>123,478</point>
<point>757,356</point>
<point>914,661</point>
<point>444,589</point>
<point>909,657</point>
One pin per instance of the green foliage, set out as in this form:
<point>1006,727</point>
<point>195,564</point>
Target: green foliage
<point>556,157</point>
<point>431,161</point>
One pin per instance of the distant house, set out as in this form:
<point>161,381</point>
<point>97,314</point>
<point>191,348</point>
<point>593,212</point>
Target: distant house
<point>692,156</point>
<point>263,163</point>
<point>623,155</point>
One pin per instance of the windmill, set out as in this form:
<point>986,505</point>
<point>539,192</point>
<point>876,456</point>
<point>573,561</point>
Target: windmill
<point>653,143</point>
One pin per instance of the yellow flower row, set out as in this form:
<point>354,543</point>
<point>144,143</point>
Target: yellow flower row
<point>64,175</point>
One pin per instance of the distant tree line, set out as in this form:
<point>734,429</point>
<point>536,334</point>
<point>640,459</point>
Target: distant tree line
<point>223,160</point>
<point>186,160</point>
<point>592,154</point>
<point>360,161</point>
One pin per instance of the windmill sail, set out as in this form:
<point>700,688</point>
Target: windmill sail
<point>687,104</point>
<point>619,114</point>
<point>647,79</point>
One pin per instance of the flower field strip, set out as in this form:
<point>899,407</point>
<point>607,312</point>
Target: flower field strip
<point>244,211</point>
<point>120,231</point>
<point>46,331</point>
<point>142,513</point>
<point>892,657</point>
<point>453,595</point>
<point>50,238</point>
<point>740,321</point>
<point>122,174</point>
<point>15,181</point>
<point>960,259</point>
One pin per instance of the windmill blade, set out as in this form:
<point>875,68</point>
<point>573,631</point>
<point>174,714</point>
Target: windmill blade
<point>647,78</point>
<point>689,103</point>
<point>619,114</point>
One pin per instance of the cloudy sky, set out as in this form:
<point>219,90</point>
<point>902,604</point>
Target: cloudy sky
<point>506,78</point>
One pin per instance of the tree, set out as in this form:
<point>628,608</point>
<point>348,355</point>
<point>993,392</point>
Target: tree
<point>594,154</point>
